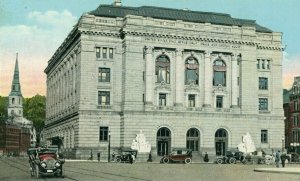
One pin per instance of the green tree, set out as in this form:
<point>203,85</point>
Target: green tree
<point>3,108</point>
<point>35,110</point>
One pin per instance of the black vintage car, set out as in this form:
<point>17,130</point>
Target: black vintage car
<point>45,161</point>
<point>125,156</point>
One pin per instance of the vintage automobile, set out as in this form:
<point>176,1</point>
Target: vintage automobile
<point>230,157</point>
<point>178,155</point>
<point>125,156</point>
<point>45,161</point>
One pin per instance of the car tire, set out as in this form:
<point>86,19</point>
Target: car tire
<point>37,171</point>
<point>118,160</point>
<point>232,160</point>
<point>219,161</point>
<point>188,160</point>
<point>166,160</point>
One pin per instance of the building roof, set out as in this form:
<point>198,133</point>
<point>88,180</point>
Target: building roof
<point>176,14</point>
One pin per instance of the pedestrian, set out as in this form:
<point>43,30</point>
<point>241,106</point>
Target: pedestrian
<point>277,158</point>
<point>130,158</point>
<point>283,158</point>
<point>98,155</point>
<point>133,158</point>
<point>206,159</point>
<point>113,157</point>
<point>91,155</point>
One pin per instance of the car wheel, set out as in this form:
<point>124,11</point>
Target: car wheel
<point>232,160</point>
<point>166,160</point>
<point>188,160</point>
<point>118,160</point>
<point>37,171</point>
<point>219,161</point>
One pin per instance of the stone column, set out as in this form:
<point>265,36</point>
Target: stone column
<point>208,69</point>
<point>149,75</point>
<point>179,77</point>
<point>234,86</point>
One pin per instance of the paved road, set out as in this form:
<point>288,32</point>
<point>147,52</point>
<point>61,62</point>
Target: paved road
<point>17,169</point>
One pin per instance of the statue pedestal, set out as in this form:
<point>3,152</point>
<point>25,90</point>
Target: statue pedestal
<point>142,157</point>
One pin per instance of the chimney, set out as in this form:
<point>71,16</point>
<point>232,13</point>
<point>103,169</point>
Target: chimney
<point>117,3</point>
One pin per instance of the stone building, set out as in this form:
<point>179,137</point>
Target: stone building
<point>187,79</point>
<point>292,116</point>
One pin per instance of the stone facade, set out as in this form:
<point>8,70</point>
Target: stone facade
<point>116,75</point>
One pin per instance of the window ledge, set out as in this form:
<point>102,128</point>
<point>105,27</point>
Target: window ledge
<point>264,112</point>
<point>104,107</point>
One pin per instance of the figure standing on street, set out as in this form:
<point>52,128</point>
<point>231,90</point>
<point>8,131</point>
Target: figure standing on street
<point>91,155</point>
<point>206,157</point>
<point>277,158</point>
<point>98,156</point>
<point>283,157</point>
<point>113,156</point>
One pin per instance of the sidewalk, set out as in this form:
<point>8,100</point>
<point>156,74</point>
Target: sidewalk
<point>289,170</point>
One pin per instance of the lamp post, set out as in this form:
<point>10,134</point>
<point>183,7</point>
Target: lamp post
<point>282,144</point>
<point>108,147</point>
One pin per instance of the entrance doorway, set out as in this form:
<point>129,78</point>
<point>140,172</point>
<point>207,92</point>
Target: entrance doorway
<point>221,142</point>
<point>163,141</point>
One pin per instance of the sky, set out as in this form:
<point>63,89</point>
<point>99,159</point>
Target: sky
<point>36,28</point>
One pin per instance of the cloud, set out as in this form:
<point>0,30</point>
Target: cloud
<point>291,69</point>
<point>36,43</point>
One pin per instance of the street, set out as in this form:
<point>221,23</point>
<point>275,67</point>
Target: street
<point>14,168</point>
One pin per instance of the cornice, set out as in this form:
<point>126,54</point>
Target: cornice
<point>203,39</point>
<point>101,33</point>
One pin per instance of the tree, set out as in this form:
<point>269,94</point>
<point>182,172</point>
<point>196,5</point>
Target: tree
<point>34,109</point>
<point>3,109</point>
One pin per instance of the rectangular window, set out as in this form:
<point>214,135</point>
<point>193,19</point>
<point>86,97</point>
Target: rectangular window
<point>258,64</point>
<point>103,134</point>
<point>162,99</point>
<point>268,64</point>
<point>263,83</point>
<point>104,52</point>
<point>264,136</point>
<point>263,64</point>
<point>296,105</point>
<point>191,100</point>
<point>103,98</point>
<point>219,101</point>
<point>296,120</point>
<point>238,81</point>
<point>98,52</point>
<point>263,104</point>
<point>104,75</point>
<point>295,135</point>
<point>111,53</point>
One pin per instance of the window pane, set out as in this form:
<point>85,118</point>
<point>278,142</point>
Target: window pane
<point>97,52</point>
<point>103,134</point>
<point>104,52</point>
<point>111,53</point>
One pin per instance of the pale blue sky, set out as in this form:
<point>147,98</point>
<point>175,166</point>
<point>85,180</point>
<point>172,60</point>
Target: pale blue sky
<point>35,28</point>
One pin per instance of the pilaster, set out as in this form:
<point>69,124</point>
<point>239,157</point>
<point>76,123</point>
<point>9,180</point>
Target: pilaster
<point>149,76</point>
<point>234,86</point>
<point>207,80</point>
<point>179,78</point>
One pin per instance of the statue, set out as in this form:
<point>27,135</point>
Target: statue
<point>140,144</point>
<point>247,145</point>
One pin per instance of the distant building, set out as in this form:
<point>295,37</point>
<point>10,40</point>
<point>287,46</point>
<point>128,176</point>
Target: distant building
<point>292,116</point>
<point>17,133</point>
<point>187,79</point>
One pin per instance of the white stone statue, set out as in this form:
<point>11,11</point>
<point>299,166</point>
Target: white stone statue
<point>247,144</point>
<point>140,144</point>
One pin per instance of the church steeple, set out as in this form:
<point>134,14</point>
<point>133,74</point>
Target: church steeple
<point>15,104</point>
<point>16,87</point>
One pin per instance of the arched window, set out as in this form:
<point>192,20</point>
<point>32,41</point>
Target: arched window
<point>162,69</point>
<point>219,73</point>
<point>192,139</point>
<point>191,71</point>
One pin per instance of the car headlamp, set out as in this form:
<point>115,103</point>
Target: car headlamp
<point>57,164</point>
<point>43,164</point>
